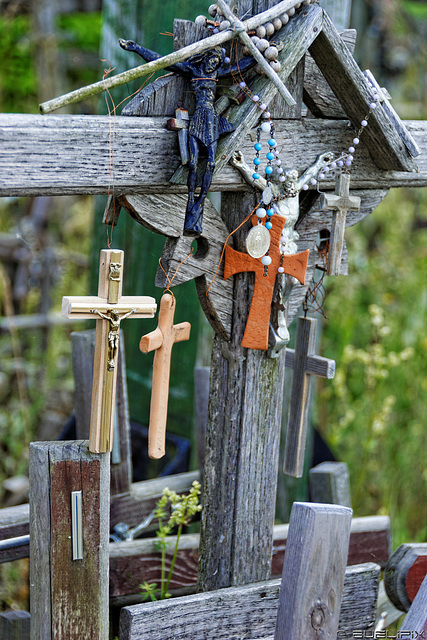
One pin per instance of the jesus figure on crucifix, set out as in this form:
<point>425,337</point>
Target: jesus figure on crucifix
<point>286,204</point>
<point>206,126</point>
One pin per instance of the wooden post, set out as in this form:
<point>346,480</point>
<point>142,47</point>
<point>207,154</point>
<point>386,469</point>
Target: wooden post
<point>329,483</point>
<point>313,572</point>
<point>109,308</point>
<point>69,598</point>
<point>404,573</point>
<point>415,625</point>
<point>15,625</point>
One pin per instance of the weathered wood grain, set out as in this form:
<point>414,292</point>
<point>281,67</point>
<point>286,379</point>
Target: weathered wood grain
<point>49,155</point>
<point>416,620</point>
<point>339,11</point>
<point>330,483</point>
<point>404,574</point>
<point>243,612</point>
<point>69,599</point>
<point>313,572</point>
<point>349,85</point>
<point>15,625</point>
<point>83,351</point>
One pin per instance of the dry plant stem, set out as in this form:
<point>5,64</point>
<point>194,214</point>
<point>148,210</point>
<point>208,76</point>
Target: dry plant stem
<point>161,63</point>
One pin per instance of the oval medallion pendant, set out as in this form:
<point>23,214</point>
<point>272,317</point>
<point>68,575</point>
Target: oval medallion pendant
<point>267,195</point>
<point>258,241</point>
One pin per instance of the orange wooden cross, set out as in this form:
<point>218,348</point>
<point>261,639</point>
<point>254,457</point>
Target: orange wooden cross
<point>257,325</point>
<point>162,340</point>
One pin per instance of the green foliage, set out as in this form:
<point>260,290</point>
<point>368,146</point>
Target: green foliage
<point>184,507</point>
<point>373,412</point>
<point>18,81</point>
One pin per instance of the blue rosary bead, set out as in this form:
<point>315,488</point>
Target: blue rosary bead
<point>257,161</point>
<point>270,212</point>
<point>272,142</point>
<point>270,156</point>
<point>256,176</point>
<point>268,170</point>
<point>268,225</point>
<point>257,146</point>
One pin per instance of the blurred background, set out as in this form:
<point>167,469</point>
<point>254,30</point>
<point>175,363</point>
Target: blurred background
<point>372,415</point>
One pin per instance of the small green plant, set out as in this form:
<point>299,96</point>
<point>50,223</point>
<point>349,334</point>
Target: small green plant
<point>183,508</point>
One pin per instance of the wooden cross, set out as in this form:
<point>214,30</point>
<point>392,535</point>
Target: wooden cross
<point>257,325</point>
<point>305,364</point>
<point>180,124</point>
<point>110,308</point>
<point>162,340</point>
<point>340,202</point>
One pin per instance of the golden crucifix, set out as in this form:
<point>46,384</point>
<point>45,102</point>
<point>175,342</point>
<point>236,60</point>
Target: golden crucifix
<point>111,308</point>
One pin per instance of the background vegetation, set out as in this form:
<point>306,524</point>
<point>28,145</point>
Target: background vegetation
<point>372,414</point>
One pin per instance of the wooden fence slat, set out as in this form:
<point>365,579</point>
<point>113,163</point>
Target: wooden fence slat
<point>416,620</point>
<point>69,599</point>
<point>404,574</point>
<point>31,165</point>
<point>313,572</point>
<point>330,483</point>
<point>15,625</point>
<point>243,612</point>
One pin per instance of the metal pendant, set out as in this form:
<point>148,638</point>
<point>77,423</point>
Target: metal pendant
<point>267,195</point>
<point>258,241</point>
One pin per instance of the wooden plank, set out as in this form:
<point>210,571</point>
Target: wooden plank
<point>15,625</point>
<point>404,574</point>
<point>349,85</point>
<point>339,11</point>
<point>69,599</point>
<point>48,155</point>
<point>416,620</point>
<point>313,572</point>
<point>330,483</point>
<point>243,612</point>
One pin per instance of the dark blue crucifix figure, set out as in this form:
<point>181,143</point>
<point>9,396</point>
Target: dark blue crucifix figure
<point>206,126</point>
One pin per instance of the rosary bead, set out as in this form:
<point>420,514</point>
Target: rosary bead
<point>279,170</point>
<point>372,105</point>
<point>257,146</point>
<point>284,18</point>
<point>350,157</point>
<point>269,225</point>
<point>281,270</point>
<point>277,23</point>
<point>265,127</point>
<point>266,114</point>
<point>276,65</point>
<point>257,161</point>
<point>305,187</point>
<point>216,30</point>
<point>269,27</point>
<point>268,170</point>
<point>227,60</point>
<point>364,123</point>
<point>242,84</point>
<point>270,156</point>
<point>271,53</point>
<point>321,176</point>
<point>261,31</point>
<point>263,106</point>
<point>282,178</point>
<point>255,98</point>
<point>340,163</point>
<point>326,169</point>
<point>272,142</point>
<point>212,10</point>
<point>256,176</point>
<point>261,212</point>
<point>270,212</point>
<point>356,140</point>
<point>333,165</point>
<point>291,12</point>
<point>266,260</point>
<point>262,44</point>
<point>313,181</point>
<point>351,149</point>
<point>278,162</point>
<point>348,162</point>
<point>225,24</point>
<point>201,20</point>
<point>254,39</point>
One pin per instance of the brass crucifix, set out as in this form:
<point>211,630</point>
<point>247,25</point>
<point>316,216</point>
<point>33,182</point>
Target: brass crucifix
<point>109,308</point>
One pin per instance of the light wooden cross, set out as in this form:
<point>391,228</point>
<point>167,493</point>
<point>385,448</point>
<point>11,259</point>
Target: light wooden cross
<point>304,364</point>
<point>340,202</point>
<point>180,123</point>
<point>257,325</point>
<point>109,307</point>
<point>162,340</point>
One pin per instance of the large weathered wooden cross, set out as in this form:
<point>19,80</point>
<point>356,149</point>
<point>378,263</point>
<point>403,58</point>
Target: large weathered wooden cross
<point>161,340</point>
<point>109,308</point>
<point>340,203</point>
<point>305,364</point>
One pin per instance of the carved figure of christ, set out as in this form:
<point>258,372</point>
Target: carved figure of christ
<point>110,308</point>
<point>287,207</point>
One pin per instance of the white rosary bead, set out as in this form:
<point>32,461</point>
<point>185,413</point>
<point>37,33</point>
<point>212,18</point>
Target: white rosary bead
<point>278,162</point>
<point>291,12</point>
<point>262,45</point>
<point>261,31</point>
<point>271,53</point>
<point>201,20</point>
<point>265,127</point>
<point>356,140</point>
<point>266,260</point>
<point>279,170</point>
<point>276,65</point>
<point>261,212</point>
<point>266,114</point>
<point>213,10</point>
<point>263,106</point>
<point>254,39</point>
<point>219,11</point>
<point>321,176</point>
<point>225,24</point>
<point>373,105</point>
<point>277,23</point>
<point>284,18</point>
<point>269,27</point>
